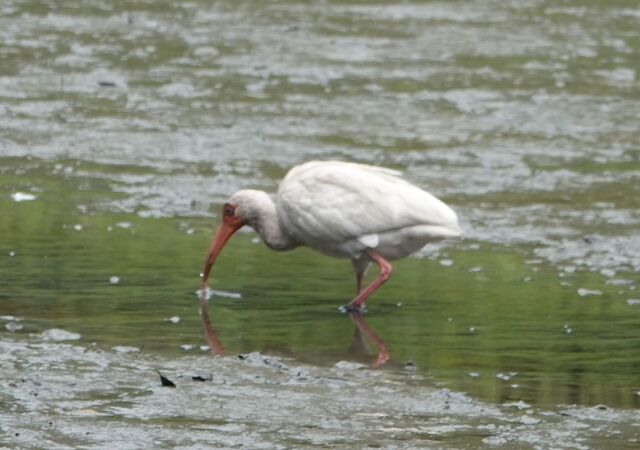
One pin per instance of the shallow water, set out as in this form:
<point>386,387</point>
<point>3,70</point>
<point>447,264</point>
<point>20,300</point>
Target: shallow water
<point>123,129</point>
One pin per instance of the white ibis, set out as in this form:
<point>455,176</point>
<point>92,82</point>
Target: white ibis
<point>346,210</point>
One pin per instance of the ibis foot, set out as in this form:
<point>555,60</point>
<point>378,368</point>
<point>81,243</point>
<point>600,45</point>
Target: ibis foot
<point>349,308</point>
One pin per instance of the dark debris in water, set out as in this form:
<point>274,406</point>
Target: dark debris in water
<point>165,381</point>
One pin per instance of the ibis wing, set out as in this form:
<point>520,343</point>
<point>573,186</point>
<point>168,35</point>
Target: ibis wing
<point>337,202</point>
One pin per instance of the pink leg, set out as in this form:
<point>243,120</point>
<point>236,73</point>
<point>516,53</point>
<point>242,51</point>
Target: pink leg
<point>385,272</point>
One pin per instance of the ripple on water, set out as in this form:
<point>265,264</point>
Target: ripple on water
<point>56,334</point>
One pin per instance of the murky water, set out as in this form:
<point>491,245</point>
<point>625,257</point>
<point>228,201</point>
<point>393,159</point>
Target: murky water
<point>123,126</point>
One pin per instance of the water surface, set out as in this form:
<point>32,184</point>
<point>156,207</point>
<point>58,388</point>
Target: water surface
<point>124,127</point>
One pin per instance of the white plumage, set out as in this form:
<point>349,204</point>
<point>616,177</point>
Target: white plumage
<point>345,210</point>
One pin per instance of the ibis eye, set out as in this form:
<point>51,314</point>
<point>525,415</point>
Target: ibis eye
<point>228,210</point>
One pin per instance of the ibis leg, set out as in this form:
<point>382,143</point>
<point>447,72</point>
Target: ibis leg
<point>359,277</point>
<point>385,272</point>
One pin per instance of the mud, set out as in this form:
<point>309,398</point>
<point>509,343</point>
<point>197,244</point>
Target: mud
<point>58,395</point>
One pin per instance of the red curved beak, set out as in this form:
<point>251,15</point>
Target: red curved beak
<point>224,233</point>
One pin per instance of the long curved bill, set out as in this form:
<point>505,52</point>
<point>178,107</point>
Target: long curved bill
<point>224,233</point>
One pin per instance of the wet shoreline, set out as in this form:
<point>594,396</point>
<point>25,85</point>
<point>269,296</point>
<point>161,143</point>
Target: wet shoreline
<point>63,395</point>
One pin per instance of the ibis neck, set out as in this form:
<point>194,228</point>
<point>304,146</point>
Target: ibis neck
<point>270,229</point>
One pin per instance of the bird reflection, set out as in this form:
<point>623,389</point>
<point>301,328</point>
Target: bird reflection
<point>358,343</point>
<point>210,333</point>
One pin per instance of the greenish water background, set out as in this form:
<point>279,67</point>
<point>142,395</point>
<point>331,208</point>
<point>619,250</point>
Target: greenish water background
<point>521,115</point>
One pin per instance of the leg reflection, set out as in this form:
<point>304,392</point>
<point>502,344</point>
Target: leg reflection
<point>362,329</point>
<point>210,333</point>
